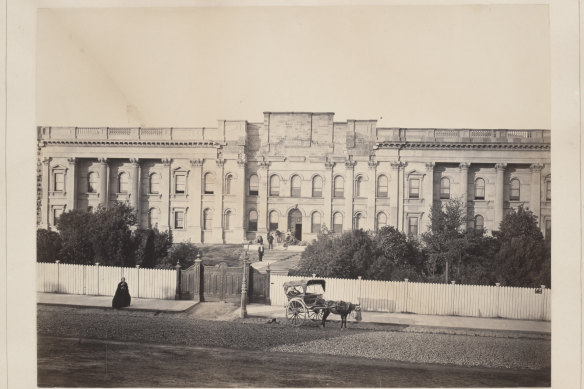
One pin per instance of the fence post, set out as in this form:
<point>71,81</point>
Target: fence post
<point>197,289</point>
<point>359,298</point>
<point>97,264</point>
<point>58,276</point>
<point>498,298</point>
<point>406,300</point>
<point>243,312</point>
<point>453,295</point>
<point>177,293</point>
<point>138,281</point>
<point>267,300</point>
<point>84,281</point>
<point>543,302</point>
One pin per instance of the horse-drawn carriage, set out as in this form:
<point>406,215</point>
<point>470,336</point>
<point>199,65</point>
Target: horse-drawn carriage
<point>305,302</point>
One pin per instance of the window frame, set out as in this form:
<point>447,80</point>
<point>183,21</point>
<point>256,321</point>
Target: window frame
<point>548,189</point>
<point>175,219</point>
<point>359,189</point>
<point>90,187</point>
<point>227,219</point>
<point>386,186</point>
<point>126,182</point>
<point>208,185</point>
<point>477,188</point>
<point>340,230</point>
<point>416,224</point>
<point>476,224</point>
<point>150,219</point>
<point>339,193</point>
<point>315,227</point>
<point>208,219</point>
<point>515,196</point>
<point>377,220</point>
<point>271,224</point>
<point>228,182</point>
<point>358,219</point>
<point>152,183</point>
<point>252,226</point>
<point>444,189</point>
<point>275,189</point>
<point>296,191</point>
<point>256,185</point>
<point>411,193</point>
<point>316,191</point>
<point>59,173</point>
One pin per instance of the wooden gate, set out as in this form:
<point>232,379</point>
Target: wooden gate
<point>259,286</point>
<point>222,283</point>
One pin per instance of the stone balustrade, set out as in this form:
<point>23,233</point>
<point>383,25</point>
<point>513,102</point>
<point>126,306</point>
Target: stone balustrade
<point>128,134</point>
<point>462,135</point>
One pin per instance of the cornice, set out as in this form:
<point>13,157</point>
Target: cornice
<point>110,142</point>
<point>463,146</point>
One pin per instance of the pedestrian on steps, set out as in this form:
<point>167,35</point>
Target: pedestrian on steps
<point>261,251</point>
<point>270,241</point>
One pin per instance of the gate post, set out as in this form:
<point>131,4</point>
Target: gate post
<point>197,287</point>
<point>267,300</point>
<point>243,313</point>
<point>177,292</point>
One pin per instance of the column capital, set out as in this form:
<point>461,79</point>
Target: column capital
<point>72,161</point>
<point>372,163</point>
<point>430,166</point>
<point>350,164</point>
<point>464,165</point>
<point>166,161</point>
<point>536,167</point>
<point>242,160</point>
<point>500,166</point>
<point>135,161</point>
<point>102,160</point>
<point>264,164</point>
<point>329,165</point>
<point>220,162</point>
<point>196,162</point>
<point>46,160</point>
<point>398,164</point>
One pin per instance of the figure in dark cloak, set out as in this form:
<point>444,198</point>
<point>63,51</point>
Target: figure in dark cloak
<point>122,297</point>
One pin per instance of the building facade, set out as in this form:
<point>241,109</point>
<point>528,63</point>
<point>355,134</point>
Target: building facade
<point>296,171</point>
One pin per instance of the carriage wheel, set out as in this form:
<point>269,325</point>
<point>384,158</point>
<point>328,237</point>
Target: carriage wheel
<point>316,314</point>
<point>296,312</point>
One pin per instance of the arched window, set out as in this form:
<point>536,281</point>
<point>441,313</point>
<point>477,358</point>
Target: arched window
<point>339,189</point>
<point>228,179</point>
<point>337,223</point>
<point>548,189</point>
<point>275,185</point>
<point>124,183</point>
<point>92,182</point>
<point>209,183</point>
<point>317,186</point>
<point>382,186</point>
<point>381,220</point>
<point>227,222</point>
<point>153,218</point>
<point>315,223</point>
<point>295,186</point>
<point>479,223</point>
<point>254,185</point>
<point>154,184</point>
<point>252,224</point>
<point>274,217</point>
<point>515,188</point>
<point>359,222</point>
<point>444,188</point>
<point>207,219</point>
<point>359,187</point>
<point>479,189</point>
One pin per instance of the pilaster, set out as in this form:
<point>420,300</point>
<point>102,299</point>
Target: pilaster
<point>135,194</point>
<point>166,191</point>
<point>103,182</point>
<point>464,190</point>
<point>263,197</point>
<point>499,199</point>
<point>328,187</point>
<point>46,172</point>
<point>372,195</point>
<point>218,222</point>
<point>195,198</point>
<point>349,189</point>
<point>535,200</point>
<point>428,195</point>
<point>239,226</point>
<point>394,194</point>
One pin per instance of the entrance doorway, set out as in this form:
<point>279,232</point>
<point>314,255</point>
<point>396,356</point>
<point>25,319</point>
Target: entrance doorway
<point>295,223</point>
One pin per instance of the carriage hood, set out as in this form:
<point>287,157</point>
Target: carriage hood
<point>305,283</point>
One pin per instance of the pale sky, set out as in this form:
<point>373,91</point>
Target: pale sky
<point>413,66</point>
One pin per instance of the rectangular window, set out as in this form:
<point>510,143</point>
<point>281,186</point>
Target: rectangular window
<point>548,229</point>
<point>57,212</point>
<point>414,188</point>
<point>180,184</point>
<point>413,226</point>
<point>59,182</point>
<point>179,220</point>
<point>548,191</point>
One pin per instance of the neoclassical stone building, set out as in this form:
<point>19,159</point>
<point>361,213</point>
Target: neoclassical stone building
<point>296,171</point>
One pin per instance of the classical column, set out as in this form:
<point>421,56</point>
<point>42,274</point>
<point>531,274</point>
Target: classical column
<point>349,186</point>
<point>135,195</point>
<point>535,199</point>
<point>218,222</point>
<point>372,195</point>
<point>499,199</point>
<point>401,195</point>
<point>71,180</point>
<point>328,187</point>
<point>103,182</point>
<point>394,194</point>
<point>464,190</point>
<point>195,196</point>
<point>263,198</point>
<point>428,195</point>
<point>239,226</point>
<point>165,222</point>
<point>45,174</point>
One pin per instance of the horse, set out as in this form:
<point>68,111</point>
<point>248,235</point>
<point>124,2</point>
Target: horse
<point>341,308</point>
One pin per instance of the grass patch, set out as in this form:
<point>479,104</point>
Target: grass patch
<point>214,254</point>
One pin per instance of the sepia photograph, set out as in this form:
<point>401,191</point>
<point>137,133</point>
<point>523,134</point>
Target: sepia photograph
<point>297,195</point>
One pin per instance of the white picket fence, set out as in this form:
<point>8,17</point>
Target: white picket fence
<point>431,299</point>
<point>103,280</point>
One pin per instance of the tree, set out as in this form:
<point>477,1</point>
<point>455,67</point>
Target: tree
<point>111,235</point>
<point>49,245</point>
<point>397,257</point>
<point>151,247</point>
<point>524,258</point>
<point>184,253</point>
<point>75,228</point>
